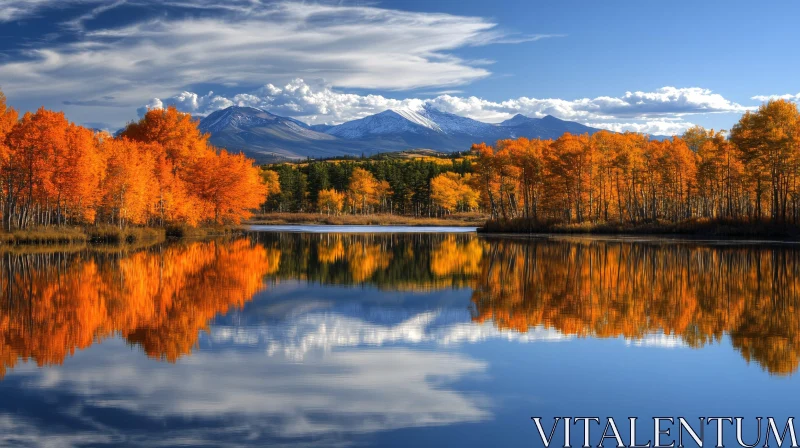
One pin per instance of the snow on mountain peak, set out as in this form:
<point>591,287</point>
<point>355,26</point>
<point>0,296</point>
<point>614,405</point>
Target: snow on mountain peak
<point>418,117</point>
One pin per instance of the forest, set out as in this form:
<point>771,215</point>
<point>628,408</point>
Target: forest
<point>158,171</point>
<point>748,175</point>
<point>162,171</point>
<point>379,184</point>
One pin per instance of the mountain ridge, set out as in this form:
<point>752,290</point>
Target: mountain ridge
<point>267,137</point>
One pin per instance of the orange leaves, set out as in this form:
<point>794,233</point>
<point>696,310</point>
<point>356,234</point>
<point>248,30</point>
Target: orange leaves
<point>597,288</point>
<point>228,185</point>
<point>365,190</point>
<point>175,131</point>
<point>452,192</point>
<point>160,171</point>
<point>129,187</point>
<point>197,183</point>
<point>630,178</point>
<point>159,300</point>
<point>8,118</point>
<point>330,201</point>
<point>271,182</point>
<point>769,143</point>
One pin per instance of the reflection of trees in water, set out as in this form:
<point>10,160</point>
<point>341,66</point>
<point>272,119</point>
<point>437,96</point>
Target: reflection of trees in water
<point>389,261</point>
<point>611,288</point>
<point>160,299</point>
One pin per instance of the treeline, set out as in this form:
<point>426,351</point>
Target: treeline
<point>396,186</point>
<point>159,171</point>
<point>749,175</point>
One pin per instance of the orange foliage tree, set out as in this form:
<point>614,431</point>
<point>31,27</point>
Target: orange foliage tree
<point>161,170</point>
<point>630,178</point>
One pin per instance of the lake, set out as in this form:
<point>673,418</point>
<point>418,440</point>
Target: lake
<point>307,337</point>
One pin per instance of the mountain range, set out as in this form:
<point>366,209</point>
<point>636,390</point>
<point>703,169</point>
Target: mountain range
<point>268,137</point>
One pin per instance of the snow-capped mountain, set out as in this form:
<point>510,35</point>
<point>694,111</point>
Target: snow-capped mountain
<point>424,121</point>
<point>266,136</point>
<point>389,122</point>
<point>248,118</point>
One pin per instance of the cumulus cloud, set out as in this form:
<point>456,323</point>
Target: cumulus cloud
<point>651,127</point>
<point>666,101</point>
<point>660,112</point>
<point>787,96</point>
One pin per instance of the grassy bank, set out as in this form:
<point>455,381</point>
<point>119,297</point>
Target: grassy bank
<point>109,235</point>
<point>694,227</point>
<point>48,235</point>
<point>457,219</point>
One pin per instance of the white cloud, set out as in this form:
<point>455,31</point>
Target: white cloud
<point>255,398</point>
<point>658,113</point>
<point>651,127</point>
<point>787,96</point>
<point>664,102</point>
<point>20,9</point>
<point>327,331</point>
<point>347,46</point>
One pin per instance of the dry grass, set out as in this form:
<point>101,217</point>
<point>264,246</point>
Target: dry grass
<point>693,227</point>
<point>45,235</point>
<point>189,232</point>
<point>456,219</point>
<point>125,235</point>
<point>105,236</point>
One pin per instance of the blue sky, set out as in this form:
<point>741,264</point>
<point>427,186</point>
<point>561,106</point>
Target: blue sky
<point>635,65</point>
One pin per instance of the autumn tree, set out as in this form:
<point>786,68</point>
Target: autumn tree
<point>228,185</point>
<point>330,201</point>
<point>130,187</point>
<point>452,192</point>
<point>769,142</point>
<point>362,189</point>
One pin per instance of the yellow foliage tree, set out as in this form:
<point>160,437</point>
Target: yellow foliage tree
<point>330,201</point>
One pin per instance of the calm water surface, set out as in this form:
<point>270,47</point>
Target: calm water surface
<point>389,339</point>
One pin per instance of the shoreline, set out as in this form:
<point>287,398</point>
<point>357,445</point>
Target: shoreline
<point>690,229</point>
<point>75,236</point>
<point>455,220</point>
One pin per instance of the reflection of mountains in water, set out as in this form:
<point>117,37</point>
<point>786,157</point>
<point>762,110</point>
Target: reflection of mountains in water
<point>323,320</point>
<point>650,293</point>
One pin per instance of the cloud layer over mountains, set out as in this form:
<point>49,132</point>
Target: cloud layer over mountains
<point>661,112</point>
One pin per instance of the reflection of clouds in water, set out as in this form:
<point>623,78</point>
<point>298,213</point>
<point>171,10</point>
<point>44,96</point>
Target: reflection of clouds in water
<point>657,340</point>
<point>15,431</point>
<point>299,334</point>
<point>340,393</point>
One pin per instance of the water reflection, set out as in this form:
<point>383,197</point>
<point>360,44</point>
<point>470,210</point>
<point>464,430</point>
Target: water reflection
<point>653,293</point>
<point>329,339</point>
<point>692,291</point>
<point>56,303</point>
